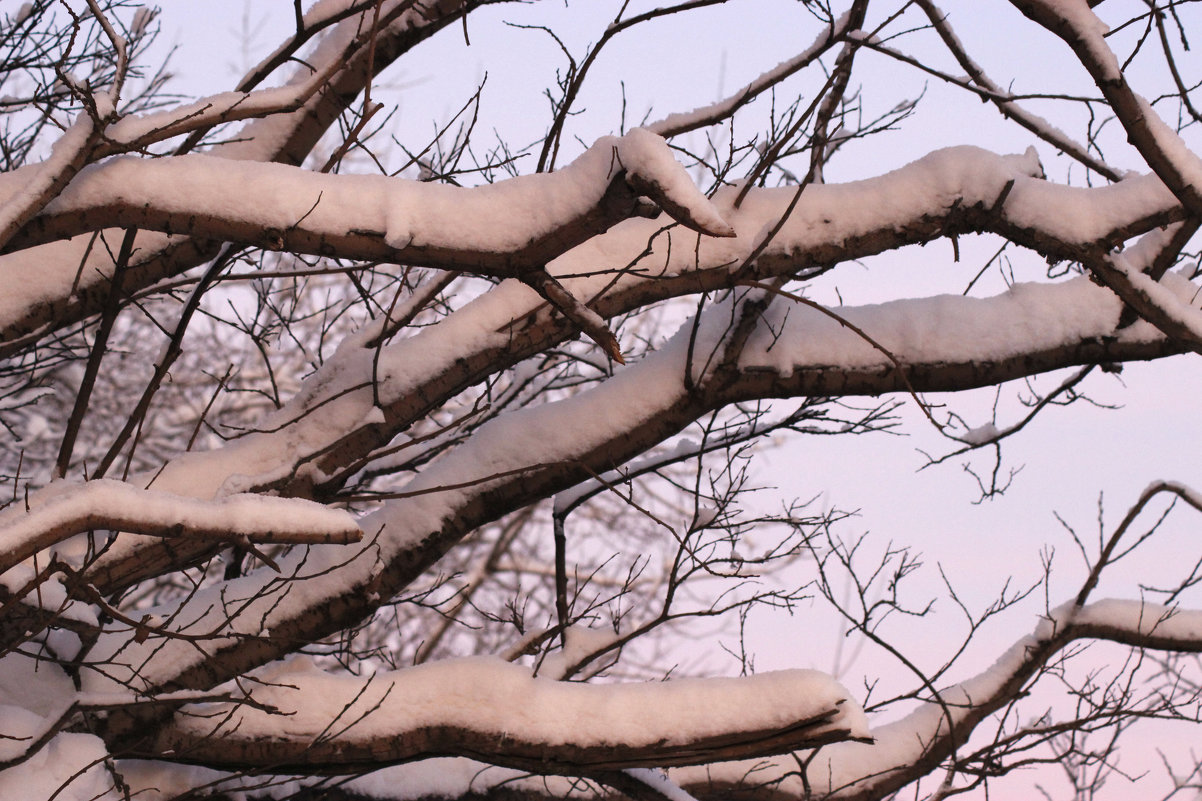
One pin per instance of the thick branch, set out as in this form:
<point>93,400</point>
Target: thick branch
<point>829,223</point>
<point>309,721</point>
<point>520,224</point>
<point>526,455</point>
<point>117,506</point>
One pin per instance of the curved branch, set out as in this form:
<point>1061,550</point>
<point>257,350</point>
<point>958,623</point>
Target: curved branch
<point>915,745</point>
<point>530,454</point>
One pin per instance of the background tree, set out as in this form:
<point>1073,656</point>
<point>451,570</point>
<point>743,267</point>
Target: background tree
<point>334,449</point>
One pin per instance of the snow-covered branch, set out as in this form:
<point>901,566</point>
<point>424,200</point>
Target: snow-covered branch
<point>1073,322</point>
<point>520,224</point>
<point>118,506</point>
<point>953,191</point>
<point>330,418</point>
<point>533,453</point>
<point>372,385</point>
<point>490,709</point>
<point>135,133</point>
<point>69,280</point>
<point>919,742</point>
<point>1160,146</point>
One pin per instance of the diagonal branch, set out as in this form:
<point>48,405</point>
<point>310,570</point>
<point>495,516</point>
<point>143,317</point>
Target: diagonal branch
<point>1159,145</point>
<point>530,454</point>
<point>808,237</point>
<point>1009,108</point>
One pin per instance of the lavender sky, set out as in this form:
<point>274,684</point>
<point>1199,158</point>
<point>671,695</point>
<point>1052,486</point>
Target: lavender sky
<point>1070,457</point>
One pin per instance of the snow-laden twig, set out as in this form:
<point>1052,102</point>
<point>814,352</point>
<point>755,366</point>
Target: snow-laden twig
<point>683,122</point>
<point>136,132</point>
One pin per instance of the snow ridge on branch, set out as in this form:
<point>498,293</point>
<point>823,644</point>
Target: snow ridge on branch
<point>489,708</point>
<point>107,504</point>
<point>519,224</point>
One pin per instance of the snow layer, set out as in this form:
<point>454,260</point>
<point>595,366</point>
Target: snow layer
<point>485,694</point>
<point>1167,623</point>
<point>74,761</point>
<point>506,216</point>
<point>47,593</point>
<point>1173,296</point>
<point>946,328</point>
<point>69,509</point>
